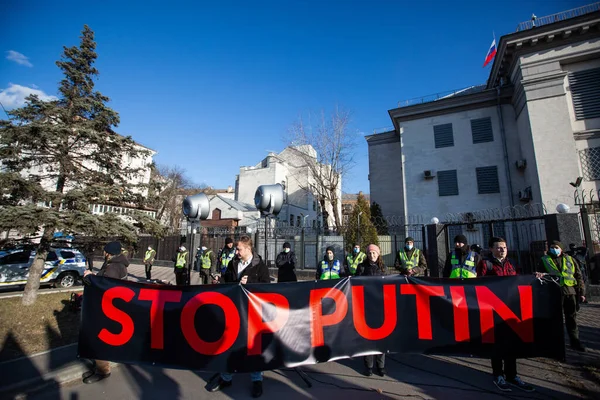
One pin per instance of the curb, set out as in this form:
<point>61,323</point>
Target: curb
<point>62,376</point>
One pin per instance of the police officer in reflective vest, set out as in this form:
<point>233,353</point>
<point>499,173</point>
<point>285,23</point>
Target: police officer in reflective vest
<point>181,261</point>
<point>410,260</point>
<point>354,259</point>
<point>462,261</point>
<point>207,261</point>
<point>566,269</point>
<point>148,261</point>
<point>226,255</point>
<point>330,268</point>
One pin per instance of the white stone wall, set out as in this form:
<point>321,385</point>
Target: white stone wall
<point>420,154</point>
<point>385,173</point>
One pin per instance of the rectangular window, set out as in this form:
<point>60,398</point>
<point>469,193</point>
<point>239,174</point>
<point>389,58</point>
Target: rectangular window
<point>481,130</point>
<point>487,180</point>
<point>291,219</point>
<point>443,136</point>
<point>298,223</point>
<point>448,183</point>
<point>585,92</point>
<point>590,163</point>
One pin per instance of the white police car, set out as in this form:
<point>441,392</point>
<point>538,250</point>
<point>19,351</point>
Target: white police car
<point>63,267</point>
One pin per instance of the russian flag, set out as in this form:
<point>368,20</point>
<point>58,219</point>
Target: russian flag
<point>490,54</point>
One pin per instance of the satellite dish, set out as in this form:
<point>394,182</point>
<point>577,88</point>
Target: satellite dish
<point>196,207</point>
<point>268,199</point>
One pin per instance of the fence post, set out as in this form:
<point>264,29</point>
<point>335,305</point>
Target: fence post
<point>303,254</point>
<point>437,252</point>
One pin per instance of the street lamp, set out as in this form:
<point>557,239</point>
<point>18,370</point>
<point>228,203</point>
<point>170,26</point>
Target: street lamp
<point>358,228</point>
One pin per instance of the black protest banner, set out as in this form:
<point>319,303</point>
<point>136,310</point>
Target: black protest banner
<point>269,326</point>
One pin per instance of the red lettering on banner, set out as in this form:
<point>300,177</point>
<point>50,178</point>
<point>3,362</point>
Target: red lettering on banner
<point>461,314</point>
<point>112,312</point>
<point>423,293</point>
<point>318,320</point>
<point>390,315</point>
<point>256,326</point>
<point>232,323</point>
<point>488,303</point>
<point>158,299</point>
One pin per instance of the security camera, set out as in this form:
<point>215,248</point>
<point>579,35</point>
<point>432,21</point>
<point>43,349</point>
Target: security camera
<point>268,199</point>
<point>196,207</point>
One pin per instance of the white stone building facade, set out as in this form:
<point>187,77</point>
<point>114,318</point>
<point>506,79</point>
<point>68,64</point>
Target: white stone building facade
<point>520,139</point>
<point>301,207</point>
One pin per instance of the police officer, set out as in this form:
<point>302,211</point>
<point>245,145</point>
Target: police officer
<point>354,259</point>
<point>330,267</point>
<point>226,255</point>
<point>181,261</point>
<point>559,264</point>
<point>462,261</point>
<point>148,261</point>
<point>206,264</point>
<point>410,260</point>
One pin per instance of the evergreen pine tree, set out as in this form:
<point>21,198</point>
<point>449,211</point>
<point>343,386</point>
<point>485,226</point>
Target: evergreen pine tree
<point>60,157</point>
<point>360,230</point>
<point>378,219</point>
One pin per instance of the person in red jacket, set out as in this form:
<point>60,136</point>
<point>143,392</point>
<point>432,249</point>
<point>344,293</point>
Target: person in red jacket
<point>499,265</point>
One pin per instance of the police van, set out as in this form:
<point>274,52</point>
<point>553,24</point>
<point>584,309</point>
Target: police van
<point>63,267</point>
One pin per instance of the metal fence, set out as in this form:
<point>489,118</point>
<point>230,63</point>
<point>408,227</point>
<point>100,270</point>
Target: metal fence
<point>561,16</point>
<point>526,239</point>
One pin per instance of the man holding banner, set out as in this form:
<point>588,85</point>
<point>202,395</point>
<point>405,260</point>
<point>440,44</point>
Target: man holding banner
<point>499,265</point>
<point>247,267</point>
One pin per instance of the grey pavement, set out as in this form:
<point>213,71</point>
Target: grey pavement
<point>56,374</point>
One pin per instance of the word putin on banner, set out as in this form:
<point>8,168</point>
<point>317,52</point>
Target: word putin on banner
<point>241,328</point>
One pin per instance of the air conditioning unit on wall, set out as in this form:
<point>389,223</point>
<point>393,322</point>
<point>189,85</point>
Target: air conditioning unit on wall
<point>525,195</point>
<point>521,164</point>
<point>428,174</point>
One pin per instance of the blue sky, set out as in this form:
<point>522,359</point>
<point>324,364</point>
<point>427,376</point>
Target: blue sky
<point>213,86</point>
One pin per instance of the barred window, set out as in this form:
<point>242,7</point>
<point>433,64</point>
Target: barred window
<point>443,136</point>
<point>487,180</point>
<point>590,163</point>
<point>481,129</point>
<point>448,183</point>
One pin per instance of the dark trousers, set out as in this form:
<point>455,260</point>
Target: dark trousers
<point>380,361</point>
<point>148,271</point>
<point>510,367</point>
<point>570,310</point>
<point>180,276</point>
<point>205,275</point>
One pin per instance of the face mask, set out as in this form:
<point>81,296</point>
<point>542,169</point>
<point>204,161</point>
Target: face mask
<point>149,248</point>
<point>409,246</point>
<point>286,250</point>
<point>328,257</point>
<point>356,250</point>
<point>555,251</point>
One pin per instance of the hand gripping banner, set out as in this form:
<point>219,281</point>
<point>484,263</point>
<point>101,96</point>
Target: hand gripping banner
<point>239,328</point>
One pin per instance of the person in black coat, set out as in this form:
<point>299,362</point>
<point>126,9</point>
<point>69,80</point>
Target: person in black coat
<point>373,266</point>
<point>246,267</point>
<point>286,264</point>
<point>115,266</point>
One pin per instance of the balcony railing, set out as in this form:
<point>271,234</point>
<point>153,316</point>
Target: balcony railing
<point>561,16</point>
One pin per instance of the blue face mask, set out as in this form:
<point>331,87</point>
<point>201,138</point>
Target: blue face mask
<point>356,250</point>
<point>555,251</point>
<point>409,246</point>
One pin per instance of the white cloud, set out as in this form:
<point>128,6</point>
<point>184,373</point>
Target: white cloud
<point>19,58</point>
<point>14,95</point>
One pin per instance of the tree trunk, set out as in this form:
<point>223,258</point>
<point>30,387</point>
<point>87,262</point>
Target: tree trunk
<point>336,216</point>
<point>35,271</point>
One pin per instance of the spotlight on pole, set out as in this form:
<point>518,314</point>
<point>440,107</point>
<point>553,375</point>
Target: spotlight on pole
<point>195,208</point>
